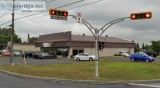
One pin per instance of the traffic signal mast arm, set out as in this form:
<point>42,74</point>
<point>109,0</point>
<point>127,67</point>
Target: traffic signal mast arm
<point>96,32</point>
<point>106,26</point>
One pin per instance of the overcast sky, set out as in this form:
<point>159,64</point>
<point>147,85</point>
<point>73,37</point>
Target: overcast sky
<point>97,14</point>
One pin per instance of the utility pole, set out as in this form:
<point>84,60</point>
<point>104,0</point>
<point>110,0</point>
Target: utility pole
<point>12,31</point>
<point>96,52</point>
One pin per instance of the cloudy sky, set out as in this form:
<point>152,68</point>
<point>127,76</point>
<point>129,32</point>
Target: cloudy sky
<point>99,13</point>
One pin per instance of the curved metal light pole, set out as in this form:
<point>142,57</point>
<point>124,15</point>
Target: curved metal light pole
<point>96,33</point>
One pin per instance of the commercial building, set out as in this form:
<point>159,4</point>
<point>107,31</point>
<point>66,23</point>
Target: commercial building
<point>66,44</point>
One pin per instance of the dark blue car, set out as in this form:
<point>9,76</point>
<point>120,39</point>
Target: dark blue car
<point>140,56</point>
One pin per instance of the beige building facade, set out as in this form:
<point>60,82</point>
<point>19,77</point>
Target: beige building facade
<point>26,47</point>
<point>102,53</point>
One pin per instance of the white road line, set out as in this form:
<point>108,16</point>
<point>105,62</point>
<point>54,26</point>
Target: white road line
<point>154,86</point>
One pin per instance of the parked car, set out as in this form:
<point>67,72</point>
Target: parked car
<point>46,55</point>
<point>140,56</point>
<point>6,54</point>
<point>122,53</point>
<point>27,54</point>
<point>150,53</point>
<point>35,55</point>
<point>84,56</point>
<point>16,53</point>
<point>0,51</point>
<point>72,56</point>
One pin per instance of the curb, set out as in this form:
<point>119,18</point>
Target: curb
<point>77,81</point>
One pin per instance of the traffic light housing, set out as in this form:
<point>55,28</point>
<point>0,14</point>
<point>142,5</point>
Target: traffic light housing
<point>101,45</point>
<point>141,15</point>
<point>58,14</point>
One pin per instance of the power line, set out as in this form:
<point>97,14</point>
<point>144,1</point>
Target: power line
<point>68,9</point>
<point>38,23</point>
<point>57,7</point>
<point>85,4</point>
<point>70,4</point>
<point>41,12</point>
<point>3,15</point>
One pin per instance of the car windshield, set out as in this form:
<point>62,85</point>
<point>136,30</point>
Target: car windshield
<point>144,54</point>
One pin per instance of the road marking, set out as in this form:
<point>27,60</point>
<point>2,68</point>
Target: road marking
<point>144,85</point>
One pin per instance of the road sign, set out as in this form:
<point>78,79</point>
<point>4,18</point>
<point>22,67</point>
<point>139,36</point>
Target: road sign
<point>141,15</point>
<point>79,17</point>
<point>58,14</point>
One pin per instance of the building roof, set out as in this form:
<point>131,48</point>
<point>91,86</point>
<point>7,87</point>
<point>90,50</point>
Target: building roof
<point>102,39</point>
<point>67,36</point>
<point>63,36</point>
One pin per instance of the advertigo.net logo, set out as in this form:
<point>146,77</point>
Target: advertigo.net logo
<point>22,6</point>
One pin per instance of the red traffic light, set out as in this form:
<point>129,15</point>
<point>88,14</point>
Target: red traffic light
<point>65,13</point>
<point>52,12</point>
<point>141,15</point>
<point>55,12</point>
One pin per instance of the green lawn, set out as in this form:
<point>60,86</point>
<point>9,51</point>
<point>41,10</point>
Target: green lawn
<point>108,70</point>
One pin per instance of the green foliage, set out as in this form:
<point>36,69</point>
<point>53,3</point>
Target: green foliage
<point>137,48</point>
<point>32,40</point>
<point>156,46</point>
<point>5,35</point>
<point>147,47</point>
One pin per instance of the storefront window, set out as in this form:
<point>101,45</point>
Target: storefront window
<point>76,51</point>
<point>62,52</point>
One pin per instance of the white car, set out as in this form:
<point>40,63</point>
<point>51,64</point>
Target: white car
<point>17,53</point>
<point>84,56</point>
<point>123,53</point>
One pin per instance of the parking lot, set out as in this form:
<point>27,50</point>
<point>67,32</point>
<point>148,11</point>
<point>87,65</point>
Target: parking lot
<point>20,60</point>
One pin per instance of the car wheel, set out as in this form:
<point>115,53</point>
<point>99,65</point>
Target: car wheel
<point>132,59</point>
<point>44,57</point>
<point>77,59</point>
<point>147,60</point>
<point>90,59</point>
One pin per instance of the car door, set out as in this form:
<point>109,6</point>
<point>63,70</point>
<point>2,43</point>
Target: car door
<point>141,57</point>
<point>86,57</point>
<point>81,56</point>
<point>136,56</point>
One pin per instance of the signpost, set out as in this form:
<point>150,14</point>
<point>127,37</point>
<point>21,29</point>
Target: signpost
<point>79,17</point>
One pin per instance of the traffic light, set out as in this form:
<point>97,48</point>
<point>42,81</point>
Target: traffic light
<point>58,14</point>
<point>101,45</point>
<point>141,15</point>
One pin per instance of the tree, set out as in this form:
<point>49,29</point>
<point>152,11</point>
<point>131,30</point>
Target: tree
<point>5,35</point>
<point>155,46</point>
<point>143,46</point>
<point>28,38</point>
<point>137,48</point>
<point>32,40</point>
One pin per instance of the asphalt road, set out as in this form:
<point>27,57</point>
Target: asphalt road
<point>7,81</point>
